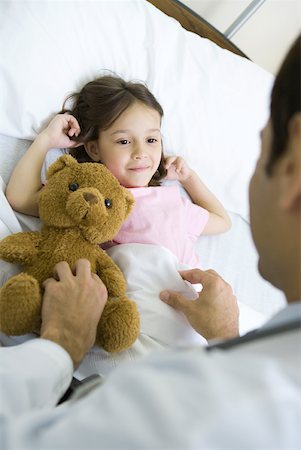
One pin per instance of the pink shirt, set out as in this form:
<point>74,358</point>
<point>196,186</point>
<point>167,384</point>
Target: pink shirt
<point>162,216</point>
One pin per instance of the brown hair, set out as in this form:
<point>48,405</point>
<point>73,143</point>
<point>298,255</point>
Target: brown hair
<point>99,103</point>
<point>285,101</point>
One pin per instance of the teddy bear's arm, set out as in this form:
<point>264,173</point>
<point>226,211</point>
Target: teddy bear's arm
<point>20,247</point>
<point>111,275</point>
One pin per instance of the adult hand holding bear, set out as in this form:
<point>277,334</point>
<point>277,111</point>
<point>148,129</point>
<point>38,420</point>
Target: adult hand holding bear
<point>84,306</point>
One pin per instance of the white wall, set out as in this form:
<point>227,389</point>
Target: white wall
<point>268,34</point>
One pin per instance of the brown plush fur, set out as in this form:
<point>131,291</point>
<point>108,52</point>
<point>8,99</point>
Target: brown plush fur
<point>76,217</point>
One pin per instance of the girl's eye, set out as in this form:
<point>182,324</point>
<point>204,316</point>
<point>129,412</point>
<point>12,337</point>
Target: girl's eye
<point>123,142</point>
<point>73,187</point>
<point>152,140</point>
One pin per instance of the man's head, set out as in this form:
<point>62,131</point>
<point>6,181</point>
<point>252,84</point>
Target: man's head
<point>275,188</point>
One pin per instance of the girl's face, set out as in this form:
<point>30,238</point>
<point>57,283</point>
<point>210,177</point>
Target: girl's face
<point>131,148</point>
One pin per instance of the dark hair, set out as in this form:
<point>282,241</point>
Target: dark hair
<point>285,102</point>
<point>99,103</point>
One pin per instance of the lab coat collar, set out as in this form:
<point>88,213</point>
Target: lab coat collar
<point>287,315</point>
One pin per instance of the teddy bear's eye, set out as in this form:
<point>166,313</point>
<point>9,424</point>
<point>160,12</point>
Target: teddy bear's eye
<point>73,187</point>
<point>108,203</point>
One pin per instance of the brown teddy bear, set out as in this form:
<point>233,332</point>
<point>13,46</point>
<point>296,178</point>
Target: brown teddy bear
<point>81,206</point>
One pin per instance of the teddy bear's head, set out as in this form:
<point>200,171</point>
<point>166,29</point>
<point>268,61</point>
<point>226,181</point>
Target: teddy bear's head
<point>85,196</point>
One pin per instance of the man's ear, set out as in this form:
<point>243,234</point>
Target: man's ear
<point>290,166</point>
<point>91,148</point>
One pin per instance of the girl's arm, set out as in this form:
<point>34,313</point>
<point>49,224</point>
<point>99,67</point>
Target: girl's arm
<point>25,182</point>
<point>219,220</point>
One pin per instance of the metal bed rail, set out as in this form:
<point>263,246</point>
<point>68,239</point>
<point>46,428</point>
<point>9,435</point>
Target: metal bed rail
<point>243,18</point>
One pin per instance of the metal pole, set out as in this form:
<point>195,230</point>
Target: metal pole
<point>243,17</point>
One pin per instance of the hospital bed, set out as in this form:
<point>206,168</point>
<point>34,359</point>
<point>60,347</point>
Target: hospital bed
<point>215,103</point>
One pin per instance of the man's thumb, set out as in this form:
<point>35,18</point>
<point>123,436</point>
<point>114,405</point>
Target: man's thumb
<point>174,299</point>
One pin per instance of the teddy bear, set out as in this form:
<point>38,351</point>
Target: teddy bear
<point>81,206</point>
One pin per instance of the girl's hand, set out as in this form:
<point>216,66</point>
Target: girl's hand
<point>60,131</point>
<point>177,168</point>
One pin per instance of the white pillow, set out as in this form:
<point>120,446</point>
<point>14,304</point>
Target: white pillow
<point>214,101</point>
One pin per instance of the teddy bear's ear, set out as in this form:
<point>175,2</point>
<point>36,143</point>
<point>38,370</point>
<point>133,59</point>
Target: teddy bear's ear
<point>59,164</point>
<point>129,200</point>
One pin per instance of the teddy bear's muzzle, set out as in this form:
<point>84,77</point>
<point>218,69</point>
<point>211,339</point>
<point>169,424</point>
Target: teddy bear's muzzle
<point>86,205</point>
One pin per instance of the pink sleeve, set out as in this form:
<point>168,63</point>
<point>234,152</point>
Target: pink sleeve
<point>196,217</point>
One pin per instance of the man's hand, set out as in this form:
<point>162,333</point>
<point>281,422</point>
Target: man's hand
<point>72,306</point>
<point>214,314</point>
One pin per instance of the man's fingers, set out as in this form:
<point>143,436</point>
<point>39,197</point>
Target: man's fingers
<point>61,270</point>
<point>96,278</point>
<point>175,300</point>
<point>46,282</point>
<point>213,272</point>
<point>82,268</point>
<point>193,276</point>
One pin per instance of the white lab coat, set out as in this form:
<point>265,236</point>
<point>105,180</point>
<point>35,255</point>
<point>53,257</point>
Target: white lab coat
<point>248,397</point>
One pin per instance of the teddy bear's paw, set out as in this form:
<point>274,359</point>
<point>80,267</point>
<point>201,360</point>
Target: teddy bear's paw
<point>115,282</point>
<point>119,325</point>
<point>20,305</point>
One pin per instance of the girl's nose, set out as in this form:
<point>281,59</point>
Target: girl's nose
<point>139,152</point>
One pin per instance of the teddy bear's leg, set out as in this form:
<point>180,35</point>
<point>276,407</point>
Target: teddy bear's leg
<point>20,305</point>
<point>119,325</point>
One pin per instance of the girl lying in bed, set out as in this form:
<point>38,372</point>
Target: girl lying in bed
<point>118,123</point>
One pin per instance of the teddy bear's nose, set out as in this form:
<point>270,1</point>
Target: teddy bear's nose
<point>90,198</point>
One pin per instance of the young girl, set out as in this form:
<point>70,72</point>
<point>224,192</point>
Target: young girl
<point>118,123</point>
